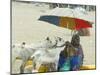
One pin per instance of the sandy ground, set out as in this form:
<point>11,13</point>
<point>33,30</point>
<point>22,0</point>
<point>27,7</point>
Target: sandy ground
<point>26,27</point>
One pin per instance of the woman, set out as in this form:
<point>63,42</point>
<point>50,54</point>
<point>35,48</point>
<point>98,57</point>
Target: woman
<point>77,60</point>
<point>65,56</point>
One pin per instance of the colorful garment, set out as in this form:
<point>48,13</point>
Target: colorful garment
<point>65,66</point>
<point>64,63</point>
<point>77,60</point>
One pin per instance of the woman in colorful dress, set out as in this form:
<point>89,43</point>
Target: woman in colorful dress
<point>77,59</point>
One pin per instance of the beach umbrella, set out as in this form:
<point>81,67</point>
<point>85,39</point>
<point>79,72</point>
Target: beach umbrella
<point>66,22</point>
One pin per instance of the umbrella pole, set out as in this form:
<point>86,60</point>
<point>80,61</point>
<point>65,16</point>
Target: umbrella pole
<point>73,32</point>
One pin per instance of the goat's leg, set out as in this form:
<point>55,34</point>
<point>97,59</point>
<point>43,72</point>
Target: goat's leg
<point>52,67</point>
<point>22,67</point>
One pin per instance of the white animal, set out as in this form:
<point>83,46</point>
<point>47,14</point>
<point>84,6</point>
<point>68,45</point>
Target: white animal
<point>49,55</point>
<point>44,52</point>
<point>23,54</point>
<point>24,51</point>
